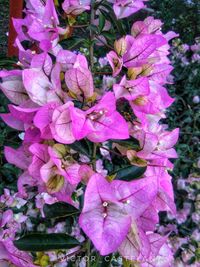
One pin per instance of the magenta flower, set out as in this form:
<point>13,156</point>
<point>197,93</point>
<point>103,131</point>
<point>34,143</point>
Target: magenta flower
<point>18,157</point>
<point>43,118</point>
<point>132,89</point>
<point>159,146</point>
<point>109,209</point>
<point>115,62</point>
<point>155,102</point>
<point>79,79</point>
<point>61,126</point>
<point>101,122</point>
<point>12,86</point>
<point>65,163</point>
<point>9,253</point>
<point>125,8</point>
<point>103,218</point>
<point>75,7</point>
<point>39,158</point>
<point>141,50</point>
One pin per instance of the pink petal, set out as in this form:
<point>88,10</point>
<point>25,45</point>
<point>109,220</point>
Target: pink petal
<point>61,126</point>
<point>136,246</point>
<point>13,88</point>
<point>43,118</point>
<point>137,195</point>
<point>106,232</point>
<point>80,82</point>
<point>12,121</point>
<point>17,157</point>
<point>115,62</point>
<point>37,85</point>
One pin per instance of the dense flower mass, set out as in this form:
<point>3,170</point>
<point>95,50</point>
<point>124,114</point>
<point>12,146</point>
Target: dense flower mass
<point>97,153</point>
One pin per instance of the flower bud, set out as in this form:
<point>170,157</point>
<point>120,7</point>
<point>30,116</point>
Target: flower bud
<point>55,183</point>
<point>134,72</point>
<point>120,46</point>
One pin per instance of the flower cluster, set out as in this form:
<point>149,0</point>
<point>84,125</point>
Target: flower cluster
<point>86,147</point>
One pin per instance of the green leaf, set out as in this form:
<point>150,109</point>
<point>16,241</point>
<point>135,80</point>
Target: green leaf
<point>108,35</point>
<point>130,143</point>
<point>71,43</point>
<point>130,173</point>
<point>82,146</point>
<point>112,17</point>
<point>102,22</point>
<point>59,209</point>
<point>93,28</point>
<point>45,242</point>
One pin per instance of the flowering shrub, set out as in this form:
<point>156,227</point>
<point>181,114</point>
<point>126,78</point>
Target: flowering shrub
<point>94,153</point>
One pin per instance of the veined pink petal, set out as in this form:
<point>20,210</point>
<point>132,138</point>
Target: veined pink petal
<point>103,218</point>
<point>43,118</point>
<point>141,49</point>
<point>12,86</point>
<point>61,126</point>
<point>40,157</point>
<point>136,195</point>
<point>132,89</point>
<point>42,61</point>
<point>37,85</point>
<point>136,245</point>
<point>66,59</point>
<point>22,113</point>
<point>80,82</point>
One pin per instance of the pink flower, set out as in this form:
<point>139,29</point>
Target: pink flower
<point>12,86</point>
<point>148,26</point>
<point>101,122</point>
<point>17,157</point>
<point>39,158</point>
<point>125,8</point>
<point>132,89</point>
<point>79,79</point>
<point>141,50</point>
<point>103,218</point>
<point>37,85</point>
<point>61,126</point>
<point>110,207</point>
<point>75,7</point>
<point>115,62</point>
<point>65,163</point>
<point>43,118</point>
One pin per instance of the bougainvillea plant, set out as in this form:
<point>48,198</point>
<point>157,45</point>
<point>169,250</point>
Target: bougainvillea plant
<point>88,98</point>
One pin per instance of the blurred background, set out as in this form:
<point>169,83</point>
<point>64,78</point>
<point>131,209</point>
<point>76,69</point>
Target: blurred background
<point>183,17</point>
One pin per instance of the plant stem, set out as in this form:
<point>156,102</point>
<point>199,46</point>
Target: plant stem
<point>92,16</point>
<point>88,253</point>
<point>94,156</point>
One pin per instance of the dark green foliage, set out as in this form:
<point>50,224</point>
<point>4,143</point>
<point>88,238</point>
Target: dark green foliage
<point>60,209</point>
<point>179,15</point>
<point>45,242</point>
